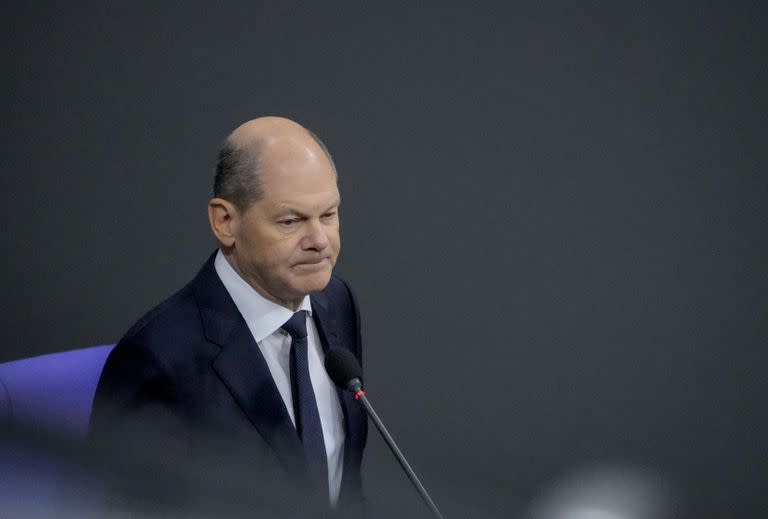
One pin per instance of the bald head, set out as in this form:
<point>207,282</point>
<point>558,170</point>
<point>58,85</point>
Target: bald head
<point>273,142</point>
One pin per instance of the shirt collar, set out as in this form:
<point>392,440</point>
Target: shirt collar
<point>263,316</point>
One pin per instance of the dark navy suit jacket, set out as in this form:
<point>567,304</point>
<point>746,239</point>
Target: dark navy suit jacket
<point>188,380</point>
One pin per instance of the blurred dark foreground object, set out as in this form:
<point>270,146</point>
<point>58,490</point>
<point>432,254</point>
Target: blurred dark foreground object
<point>52,475</point>
<point>47,468</point>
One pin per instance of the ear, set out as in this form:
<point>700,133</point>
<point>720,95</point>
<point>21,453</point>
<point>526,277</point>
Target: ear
<point>223,217</point>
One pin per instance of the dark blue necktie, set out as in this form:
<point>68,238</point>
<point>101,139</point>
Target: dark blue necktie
<point>304,403</point>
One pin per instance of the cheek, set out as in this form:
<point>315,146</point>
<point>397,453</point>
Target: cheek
<point>264,254</point>
<point>335,239</point>
<point>282,252</point>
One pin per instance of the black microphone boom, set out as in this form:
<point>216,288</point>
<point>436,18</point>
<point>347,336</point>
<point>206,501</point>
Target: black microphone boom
<point>345,371</point>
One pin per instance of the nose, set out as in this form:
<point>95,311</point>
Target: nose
<point>316,239</point>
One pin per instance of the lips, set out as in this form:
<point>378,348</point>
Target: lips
<point>313,261</point>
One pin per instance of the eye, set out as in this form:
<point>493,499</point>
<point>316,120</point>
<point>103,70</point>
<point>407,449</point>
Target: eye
<point>287,222</point>
<point>329,214</point>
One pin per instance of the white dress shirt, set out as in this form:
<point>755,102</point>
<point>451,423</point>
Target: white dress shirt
<point>264,319</point>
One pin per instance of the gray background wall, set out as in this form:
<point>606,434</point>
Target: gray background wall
<point>553,216</point>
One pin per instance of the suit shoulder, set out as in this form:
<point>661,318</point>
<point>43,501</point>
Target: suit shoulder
<point>340,293</point>
<point>174,314</point>
<point>338,287</point>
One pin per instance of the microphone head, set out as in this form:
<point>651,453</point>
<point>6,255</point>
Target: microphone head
<point>343,368</point>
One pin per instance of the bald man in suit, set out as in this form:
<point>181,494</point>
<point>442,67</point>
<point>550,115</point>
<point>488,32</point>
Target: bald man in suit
<point>212,382</point>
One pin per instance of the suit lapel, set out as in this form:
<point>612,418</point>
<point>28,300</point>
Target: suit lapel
<point>325,320</point>
<point>242,368</point>
<point>327,326</point>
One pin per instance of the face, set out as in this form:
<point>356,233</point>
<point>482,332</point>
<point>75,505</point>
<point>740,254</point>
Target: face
<point>286,244</point>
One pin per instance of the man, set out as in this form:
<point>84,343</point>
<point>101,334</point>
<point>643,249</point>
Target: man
<point>224,381</point>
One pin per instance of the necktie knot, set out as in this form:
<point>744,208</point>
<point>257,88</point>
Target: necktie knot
<point>296,326</point>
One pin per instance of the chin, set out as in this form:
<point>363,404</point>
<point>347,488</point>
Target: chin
<point>314,283</point>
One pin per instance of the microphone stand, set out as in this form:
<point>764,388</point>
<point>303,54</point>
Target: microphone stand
<point>360,395</point>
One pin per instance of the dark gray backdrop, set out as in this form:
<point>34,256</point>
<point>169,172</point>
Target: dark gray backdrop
<point>553,216</point>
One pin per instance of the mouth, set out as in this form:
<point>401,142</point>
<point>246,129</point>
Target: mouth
<point>312,263</point>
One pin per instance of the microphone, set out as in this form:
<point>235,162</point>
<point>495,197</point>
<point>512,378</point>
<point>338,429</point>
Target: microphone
<point>346,373</point>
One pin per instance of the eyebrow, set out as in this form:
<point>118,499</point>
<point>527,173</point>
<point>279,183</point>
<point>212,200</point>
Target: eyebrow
<point>286,210</point>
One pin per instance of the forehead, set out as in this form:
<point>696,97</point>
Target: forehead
<point>293,174</point>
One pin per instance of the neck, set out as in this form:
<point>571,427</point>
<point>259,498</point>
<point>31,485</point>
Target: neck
<point>291,304</point>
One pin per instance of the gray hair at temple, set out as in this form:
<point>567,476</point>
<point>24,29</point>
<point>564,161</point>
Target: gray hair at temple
<point>237,173</point>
